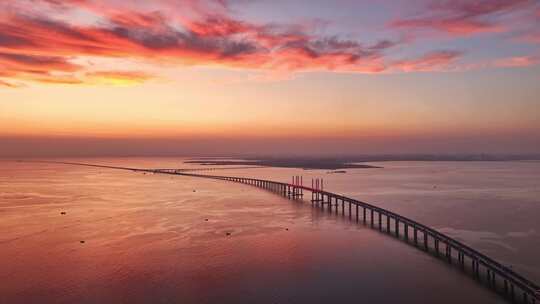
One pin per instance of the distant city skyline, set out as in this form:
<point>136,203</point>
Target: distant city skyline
<point>210,77</point>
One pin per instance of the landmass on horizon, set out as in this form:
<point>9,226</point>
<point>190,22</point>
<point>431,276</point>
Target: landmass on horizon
<point>352,162</point>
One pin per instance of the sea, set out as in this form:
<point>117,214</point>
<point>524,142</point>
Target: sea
<point>76,234</point>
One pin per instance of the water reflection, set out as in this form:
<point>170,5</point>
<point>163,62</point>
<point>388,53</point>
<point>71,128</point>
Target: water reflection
<point>152,238</point>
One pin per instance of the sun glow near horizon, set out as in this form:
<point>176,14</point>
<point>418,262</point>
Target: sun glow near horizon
<point>214,69</point>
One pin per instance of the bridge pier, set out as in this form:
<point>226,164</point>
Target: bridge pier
<point>356,212</point>
<point>397,227</point>
<point>371,217</point>
<point>415,236</point>
<point>462,259</point>
<point>449,252</point>
<point>512,292</point>
<point>406,230</point>
<point>388,223</point>
<point>364,218</point>
<point>380,221</point>
<point>426,244</point>
<point>329,204</point>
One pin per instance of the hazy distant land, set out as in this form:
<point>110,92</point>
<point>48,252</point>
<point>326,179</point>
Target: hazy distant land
<point>350,162</point>
<point>328,164</point>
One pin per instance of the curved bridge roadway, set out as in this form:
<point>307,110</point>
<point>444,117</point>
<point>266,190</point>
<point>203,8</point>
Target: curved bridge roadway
<point>496,276</point>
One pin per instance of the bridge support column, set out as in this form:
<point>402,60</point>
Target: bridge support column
<point>380,221</point>
<point>415,236</point>
<point>356,213</point>
<point>342,206</point>
<point>437,247</point>
<point>364,218</point>
<point>371,218</point>
<point>512,292</point>
<point>387,223</point>
<point>396,227</point>
<point>350,213</point>
<point>327,203</point>
<point>426,244</point>
<point>406,228</point>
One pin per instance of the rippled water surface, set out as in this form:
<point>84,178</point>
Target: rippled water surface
<point>129,237</point>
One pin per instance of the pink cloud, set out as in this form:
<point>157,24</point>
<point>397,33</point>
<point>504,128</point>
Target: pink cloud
<point>39,42</point>
<point>433,61</point>
<point>518,61</point>
<point>530,37</point>
<point>463,17</point>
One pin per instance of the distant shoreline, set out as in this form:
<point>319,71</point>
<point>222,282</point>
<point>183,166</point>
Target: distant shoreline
<point>337,163</point>
<point>298,163</point>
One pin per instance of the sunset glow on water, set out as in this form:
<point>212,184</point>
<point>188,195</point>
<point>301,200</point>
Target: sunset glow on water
<point>163,238</point>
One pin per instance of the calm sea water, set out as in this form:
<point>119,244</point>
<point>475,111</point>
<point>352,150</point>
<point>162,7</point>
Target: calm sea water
<point>163,239</point>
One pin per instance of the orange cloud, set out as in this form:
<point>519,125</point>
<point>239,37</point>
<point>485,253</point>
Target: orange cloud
<point>121,78</point>
<point>8,84</point>
<point>36,64</point>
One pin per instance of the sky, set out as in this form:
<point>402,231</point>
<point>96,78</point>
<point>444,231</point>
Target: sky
<point>220,77</point>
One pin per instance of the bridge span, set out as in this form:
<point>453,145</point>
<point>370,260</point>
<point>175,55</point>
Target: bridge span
<point>496,276</point>
<point>482,268</point>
